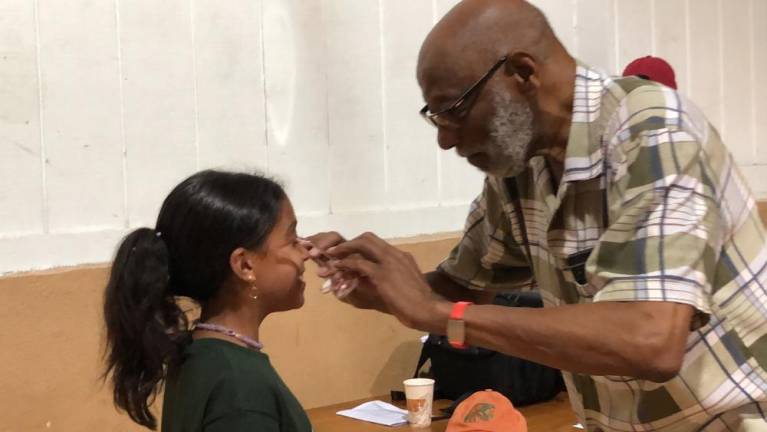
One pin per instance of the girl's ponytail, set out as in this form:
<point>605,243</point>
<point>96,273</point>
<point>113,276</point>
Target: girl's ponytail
<point>145,328</point>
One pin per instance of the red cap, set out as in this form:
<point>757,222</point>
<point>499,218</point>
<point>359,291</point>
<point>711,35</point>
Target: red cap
<point>653,68</point>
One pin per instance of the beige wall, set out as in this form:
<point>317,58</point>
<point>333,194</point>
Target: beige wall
<point>51,335</point>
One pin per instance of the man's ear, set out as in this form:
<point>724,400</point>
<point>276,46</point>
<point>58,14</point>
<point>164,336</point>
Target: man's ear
<point>523,67</point>
<point>243,264</point>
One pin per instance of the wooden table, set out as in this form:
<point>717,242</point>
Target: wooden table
<point>552,416</point>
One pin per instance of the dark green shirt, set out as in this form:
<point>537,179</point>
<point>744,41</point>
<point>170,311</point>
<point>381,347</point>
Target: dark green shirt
<point>223,387</point>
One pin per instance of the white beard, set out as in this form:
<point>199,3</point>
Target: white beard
<point>511,134</point>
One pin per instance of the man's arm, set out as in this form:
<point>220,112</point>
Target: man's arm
<point>644,340</point>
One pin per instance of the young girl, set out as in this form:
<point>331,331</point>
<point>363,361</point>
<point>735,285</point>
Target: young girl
<point>227,241</point>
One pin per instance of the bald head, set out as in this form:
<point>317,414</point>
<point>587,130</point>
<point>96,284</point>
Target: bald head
<point>497,117</point>
<point>475,33</point>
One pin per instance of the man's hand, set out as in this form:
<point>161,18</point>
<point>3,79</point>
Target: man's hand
<point>319,243</point>
<point>361,295</point>
<point>394,277</point>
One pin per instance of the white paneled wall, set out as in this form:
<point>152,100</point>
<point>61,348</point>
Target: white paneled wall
<point>160,116</point>
<point>736,93</point>
<point>759,92</point>
<point>297,101</point>
<point>21,150</point>
<point>704,82</point>
<point>229,83</point>
<point>412,169</point>
<point>670,24</point>
<point>595,33</point>
<point>457,180</point>
<point>105,105</point>
<point>355,90</point>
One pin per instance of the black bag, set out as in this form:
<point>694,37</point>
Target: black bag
<point>461,371</point>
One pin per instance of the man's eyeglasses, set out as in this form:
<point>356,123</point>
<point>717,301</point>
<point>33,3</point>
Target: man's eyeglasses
<point>441,118</point>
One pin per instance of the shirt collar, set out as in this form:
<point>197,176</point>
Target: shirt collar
<point>584,156</point>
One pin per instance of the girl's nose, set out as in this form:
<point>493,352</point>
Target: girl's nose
<point>304,245</point>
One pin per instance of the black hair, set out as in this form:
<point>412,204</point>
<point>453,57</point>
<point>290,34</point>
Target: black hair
<point>202,221</point>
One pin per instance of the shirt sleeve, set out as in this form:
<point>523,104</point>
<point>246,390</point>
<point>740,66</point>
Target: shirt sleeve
<point>243,421</point>
<point>665,233</point>
<point>488,257</point>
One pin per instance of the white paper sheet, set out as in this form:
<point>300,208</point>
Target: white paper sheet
<point>377,412</point>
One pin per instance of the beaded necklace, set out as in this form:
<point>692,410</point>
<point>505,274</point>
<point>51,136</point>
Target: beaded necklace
<point>249,342</point>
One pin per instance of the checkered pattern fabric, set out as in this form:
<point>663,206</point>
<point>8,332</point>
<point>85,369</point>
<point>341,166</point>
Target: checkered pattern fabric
<point>651,207</point>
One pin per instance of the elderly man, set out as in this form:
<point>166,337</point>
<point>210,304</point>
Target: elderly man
<point>617,200</point>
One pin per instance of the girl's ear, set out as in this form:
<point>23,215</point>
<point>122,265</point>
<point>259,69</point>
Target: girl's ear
<point>243,263</point>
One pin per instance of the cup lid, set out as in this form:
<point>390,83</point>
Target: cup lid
<point>418,382</point>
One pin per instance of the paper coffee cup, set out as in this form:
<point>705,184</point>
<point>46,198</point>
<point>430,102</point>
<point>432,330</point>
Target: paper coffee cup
<point>419,393</point>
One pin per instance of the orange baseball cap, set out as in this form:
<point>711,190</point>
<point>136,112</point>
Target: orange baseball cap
<point>486,411</point>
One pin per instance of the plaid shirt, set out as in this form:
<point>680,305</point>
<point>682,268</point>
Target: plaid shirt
<point>651,207</point>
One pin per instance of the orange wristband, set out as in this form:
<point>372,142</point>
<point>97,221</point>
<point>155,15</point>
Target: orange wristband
<point>456,328</point>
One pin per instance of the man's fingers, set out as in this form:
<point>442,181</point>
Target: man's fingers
<point>325,240</point>
<point>346,288</point>
<point>326,272</point>
<point>377,241</point>
<point>359,265</point>
<point>368,245</point>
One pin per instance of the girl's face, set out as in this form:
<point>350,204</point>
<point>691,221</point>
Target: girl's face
<point>279,281</point>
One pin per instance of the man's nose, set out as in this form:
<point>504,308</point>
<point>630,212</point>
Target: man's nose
<point>447,138</point>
